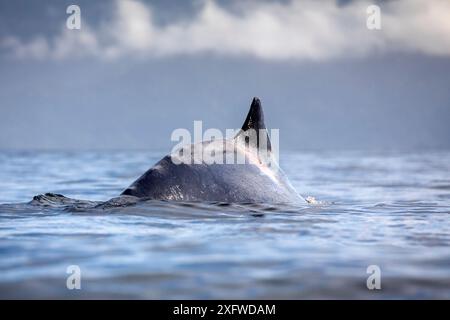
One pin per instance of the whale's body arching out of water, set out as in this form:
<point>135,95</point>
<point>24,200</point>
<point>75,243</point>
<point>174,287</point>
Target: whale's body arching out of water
<point>258,180</point>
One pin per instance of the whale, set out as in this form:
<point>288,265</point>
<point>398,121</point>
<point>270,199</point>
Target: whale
<point>185,175</point>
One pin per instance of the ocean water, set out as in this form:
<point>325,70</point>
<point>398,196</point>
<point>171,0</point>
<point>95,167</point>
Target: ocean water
<point>391,210</point>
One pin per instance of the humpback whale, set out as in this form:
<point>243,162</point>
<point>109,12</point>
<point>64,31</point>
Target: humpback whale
<point>184,176</point>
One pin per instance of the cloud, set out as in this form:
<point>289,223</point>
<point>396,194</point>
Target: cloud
<point>297,30</point>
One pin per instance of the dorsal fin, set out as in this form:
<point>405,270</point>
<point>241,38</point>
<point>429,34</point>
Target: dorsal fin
<point>255,116</point>
<point>255,121</point>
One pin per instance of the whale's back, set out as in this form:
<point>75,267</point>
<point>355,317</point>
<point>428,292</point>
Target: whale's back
<point>234,183</point>
<point>252,175</point>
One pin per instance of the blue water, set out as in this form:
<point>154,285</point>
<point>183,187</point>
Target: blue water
<point>386,209</point>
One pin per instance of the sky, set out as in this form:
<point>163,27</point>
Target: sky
<point>137,70</point>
